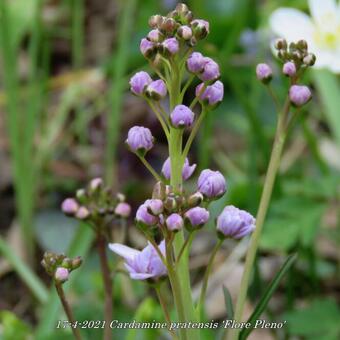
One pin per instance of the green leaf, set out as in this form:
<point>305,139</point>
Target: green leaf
<point>329,89</point>
<point>318,321</point>
<point>267,295</point>
<point>12,327</point>
<point>228,303</point>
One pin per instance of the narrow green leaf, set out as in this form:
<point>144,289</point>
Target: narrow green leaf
<point>267,295</point>
<point>228,303</point>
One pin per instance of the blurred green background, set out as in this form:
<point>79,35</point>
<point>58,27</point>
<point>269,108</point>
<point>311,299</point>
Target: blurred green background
<point>65,110</point>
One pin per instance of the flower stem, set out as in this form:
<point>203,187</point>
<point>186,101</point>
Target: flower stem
<point>186,244</point>
<point>107,281</point>
<point>272,171</point>
<point>150,168</point>
<point>67,310</point>
<point>160,118</point>
<point>206,278</point>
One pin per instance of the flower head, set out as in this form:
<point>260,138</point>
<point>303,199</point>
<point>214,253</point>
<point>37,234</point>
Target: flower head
<point>264,73</point>
<point>321,30</point>
<point>196,217</point>
<point>195,62</point>
<point>211,70</point>
<point>156,90</point>
<point>187,170</point>
<point>182,116</point>
<point>140,139</point>
<point>123,209</point>
<point>211,184</point>
<point>299,95</point>
<point>212,95</point>
<point>139,82</point>
<point>174,222</point>
<point>235,223</point>
<point>144,264</point>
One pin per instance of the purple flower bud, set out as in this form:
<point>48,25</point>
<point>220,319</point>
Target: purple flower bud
<point>155,206</point>
<point>211,70</point>
<point>82,213</point>
<point>147,48</point>
<point>299,95</point>
<point>212,95</point>
<point>289,69</point>
<point>184,32</point>
<point>211,184</point>
<point>139,82</point>
<point>155,36</point>
<point>142,265</point>
<point>195,62</point>
<point>235,223</point>
<point>95,184</point>
<point>174,222</point>
<point>140,139</point>
<point>196,217</point>
<point>200,28</point>
<point>61,274</point>
<point>123,209</point>
<point>264,73</point>
<point>143,216</point>
<point>70,206</point>
<point>156,90</point>
<point>171,45</point>
<point>182,116</point>
<point>187,170</point>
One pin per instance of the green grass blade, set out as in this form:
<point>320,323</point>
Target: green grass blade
<point>328,86</point>
<point>29,278</point>
<point>267,295</point>
<point>228,303</point>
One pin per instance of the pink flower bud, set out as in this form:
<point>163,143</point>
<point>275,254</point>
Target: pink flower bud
<point>139,82</point>
<point>70,206</point>
<point>156,90</point>
<point>264,73</point>
<point>182,116</point>
<point>123,209</point>
<point>140,139</point>
<point>299,95</point>
<point>289,69</point>
<point>174,222</point>
<point>61,274</point>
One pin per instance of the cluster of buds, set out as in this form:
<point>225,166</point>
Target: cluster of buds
<point>59,267</point>
<point>96,202</point>
<point>296,59</point>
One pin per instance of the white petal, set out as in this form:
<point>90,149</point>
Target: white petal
<point>123,251</point>
<point>325,14</point>
<point>291,24</point>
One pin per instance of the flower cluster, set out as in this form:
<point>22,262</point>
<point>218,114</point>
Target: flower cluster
<point>58,266</point>
<point>296,59</point>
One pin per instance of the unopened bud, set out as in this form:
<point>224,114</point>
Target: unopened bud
<point>155,21</point>
<point>82,213</point>
<point>281,44</point>
<point>264,73</point>
<point>70,206</point>
<point>169,25</point>
<point>95,184</point>
<point>302,44</point>
<point>299,95</point>
<point>170,204</point>
<point>195,199</point>
<point>76,262</point>
<point>81,196</point>
<point>309,59</point>
<point>159,191</point>
<point>61,274</point>
<point>289,69</point>
<point>185,32</point>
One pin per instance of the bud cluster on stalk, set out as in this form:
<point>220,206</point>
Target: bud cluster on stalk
<point>96,203</point>
<point>58,266</point>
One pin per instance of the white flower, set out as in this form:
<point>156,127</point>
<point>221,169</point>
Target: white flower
<point>321,30</point>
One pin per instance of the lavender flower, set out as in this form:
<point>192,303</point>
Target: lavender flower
<point>211,184</point>
<point>187,170</point>
<point>235,223</point>
<point>196,217</point>
<point>142,265</point>
<point>174,222</point>
<point>147,48</point>
<point>61,274</point>
<point>143,215</point>
<point>264,73</point>
<point>211,70</point>
<point>289,69</point>
<point>170,46</point>
<point>212,95</point>
<point>299,95</point>
<point>140,139</point>
<point>70,206</point>
<point>195,62</point>
<point>139,82</point>
<point>156,90</point>
<point>182,116</point>
<point>123,209</point>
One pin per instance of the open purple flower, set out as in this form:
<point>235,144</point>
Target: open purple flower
<point>211,184</point>
<point>235,223</point>
<point>182,116</point>
<point>139,82</point>
<point>144,264</point>
<point>187,170</point>
<point>212,95</point>
<point>140,139</point>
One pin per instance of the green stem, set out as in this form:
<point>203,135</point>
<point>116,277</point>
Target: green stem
<point>160,118</point>
<point>187,243</point>
<point>272,171</point>
<point>150,168</point>
<point>206,278</point>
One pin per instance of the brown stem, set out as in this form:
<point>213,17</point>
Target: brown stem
<point>67,310</point>
<point>107,281</point>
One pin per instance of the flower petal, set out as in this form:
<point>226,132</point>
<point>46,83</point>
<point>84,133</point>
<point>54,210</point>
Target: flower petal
<point>140,276</point>
<point>291,24</point>
<point>123,251</point>
<point>325,14</point>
